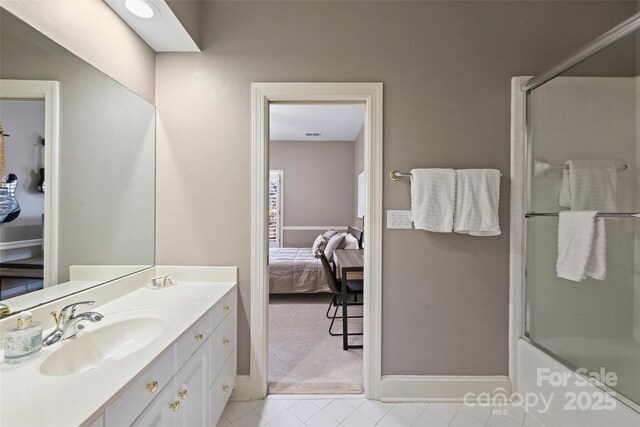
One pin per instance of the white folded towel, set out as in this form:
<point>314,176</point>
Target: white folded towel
<point>477,201</point>
<point>590,185</point>
<point>581,246</point>
<point>433,193</point>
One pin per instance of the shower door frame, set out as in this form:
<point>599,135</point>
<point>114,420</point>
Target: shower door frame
<point>521,146</point>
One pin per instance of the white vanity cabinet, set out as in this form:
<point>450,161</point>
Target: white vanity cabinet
<point>189,383</point>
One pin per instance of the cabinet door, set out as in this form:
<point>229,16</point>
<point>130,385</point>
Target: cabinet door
<point>164,411</point>
<point>193,388</point>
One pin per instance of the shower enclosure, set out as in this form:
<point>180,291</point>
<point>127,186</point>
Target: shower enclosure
<point>586,108</point>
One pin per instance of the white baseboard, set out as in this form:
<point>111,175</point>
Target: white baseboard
<point>438,388</point>
<point>242,392</point>
<point>19,244</point>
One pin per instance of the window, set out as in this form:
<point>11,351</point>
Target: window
<point>275,208</point>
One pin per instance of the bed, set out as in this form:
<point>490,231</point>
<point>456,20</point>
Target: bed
<point>297,270</point>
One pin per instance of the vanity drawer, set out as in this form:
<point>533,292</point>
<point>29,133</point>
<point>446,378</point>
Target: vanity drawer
<point>160,413</point>
<point>133,401</point>
<point>222,388</point>
<point>222,344</point>
<point>226,305</point>
<point>191,340</point>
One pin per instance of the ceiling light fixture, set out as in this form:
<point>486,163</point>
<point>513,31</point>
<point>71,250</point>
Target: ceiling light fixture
<point>141,8</point>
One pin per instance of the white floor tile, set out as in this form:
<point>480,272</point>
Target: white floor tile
<point>223,422</point>
<point>375,409</point>
<point>288,403</point>
<point>444,411</point>
<point>304,409</point>
<point>393,420</point>
<point>286,419</point>
<point>356,402</point>
<point>516,413</point>
<point>427,419</point>
<point>321,403</point>
<point>256,403</point>
<point>269,409</point>
<point>497,420</point>
<point>321,419</point>
<point>252,419</point>
<point>530,421</point>
<point>358,419</point>
<point>465,420</point>
<point>480,413</point>
<point>339,410</point>
<point>235,410</point>
<point>408,411</point>
<point>308,411</point>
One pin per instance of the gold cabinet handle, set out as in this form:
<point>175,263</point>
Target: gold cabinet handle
<point>152,386</point>
<point>182,394</point>
<point>225,388</point>
<point>225,341</point>
<point>175,406</point>
<point>198,337</point>
<point>226,308</point>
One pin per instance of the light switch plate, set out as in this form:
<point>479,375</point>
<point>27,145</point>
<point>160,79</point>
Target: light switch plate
<point>399,219</point>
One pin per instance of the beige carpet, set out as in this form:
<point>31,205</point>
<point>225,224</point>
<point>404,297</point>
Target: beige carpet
<point>303,357</point>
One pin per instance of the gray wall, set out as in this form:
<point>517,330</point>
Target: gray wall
<point>91,30</point>
<point>189,13</point>
<point>107,162</point>
<point>317,185</point>
<point>358,167</point>
<point>446,67</point>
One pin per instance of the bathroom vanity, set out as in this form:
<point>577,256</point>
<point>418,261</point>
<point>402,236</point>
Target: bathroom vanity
<point>158,357</point>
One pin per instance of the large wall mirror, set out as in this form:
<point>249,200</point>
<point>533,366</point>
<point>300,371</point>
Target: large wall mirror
<point>77,161</point>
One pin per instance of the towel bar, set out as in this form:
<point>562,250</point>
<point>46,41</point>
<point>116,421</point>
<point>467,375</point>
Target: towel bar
<point>541,167</point>
<point>395,175</point>
<point>601,214</point>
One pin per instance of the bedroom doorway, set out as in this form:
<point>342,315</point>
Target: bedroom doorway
<point>370,95</point>
<point>320,148</point>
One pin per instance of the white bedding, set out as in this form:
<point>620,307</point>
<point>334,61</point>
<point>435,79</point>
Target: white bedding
<point>295,270</point>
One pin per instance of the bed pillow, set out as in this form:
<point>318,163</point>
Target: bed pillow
<point>350,242</point>
<point>333,244</point>
<point>329,234</point>
<point>319,243</point>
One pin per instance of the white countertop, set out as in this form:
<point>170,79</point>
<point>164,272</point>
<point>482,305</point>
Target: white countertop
<point>31,398</point>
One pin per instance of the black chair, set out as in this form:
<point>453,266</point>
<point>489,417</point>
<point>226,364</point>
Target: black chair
<point>354,288</point>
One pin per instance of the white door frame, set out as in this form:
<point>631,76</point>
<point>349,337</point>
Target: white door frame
<point>49,91</point>
<point>262,95</point>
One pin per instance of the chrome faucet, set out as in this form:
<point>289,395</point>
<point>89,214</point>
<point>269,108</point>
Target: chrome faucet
<point>68,324</point>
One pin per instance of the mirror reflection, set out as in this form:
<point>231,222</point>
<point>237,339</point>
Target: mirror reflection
<point>77,167</point>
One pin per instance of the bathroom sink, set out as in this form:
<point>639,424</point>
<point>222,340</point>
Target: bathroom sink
<point>115,337</point>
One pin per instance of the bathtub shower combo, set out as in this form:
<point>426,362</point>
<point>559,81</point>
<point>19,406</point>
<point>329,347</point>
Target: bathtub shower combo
<point>584,111</point>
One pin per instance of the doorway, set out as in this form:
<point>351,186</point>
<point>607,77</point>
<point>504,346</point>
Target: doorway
<point>319,147</point>
<point>28,254</point>
<point>265,94</point>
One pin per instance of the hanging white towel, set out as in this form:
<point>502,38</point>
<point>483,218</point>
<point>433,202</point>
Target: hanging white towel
<point>581,246</point>
<point>590,185</point>
<point>477,201</point>
<point>565,194</point>
<point>433,193</point>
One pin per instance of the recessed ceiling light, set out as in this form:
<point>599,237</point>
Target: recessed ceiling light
<point>141,8</point>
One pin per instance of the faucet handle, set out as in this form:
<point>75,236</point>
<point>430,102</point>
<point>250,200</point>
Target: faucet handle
<point>70,310</point>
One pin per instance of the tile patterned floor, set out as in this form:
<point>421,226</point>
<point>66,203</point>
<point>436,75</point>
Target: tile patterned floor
<point>355,411</point>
